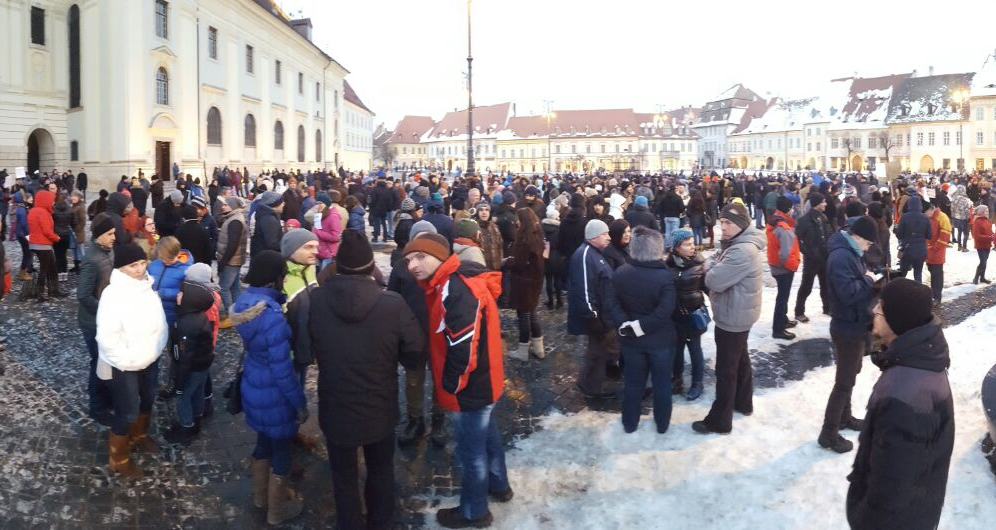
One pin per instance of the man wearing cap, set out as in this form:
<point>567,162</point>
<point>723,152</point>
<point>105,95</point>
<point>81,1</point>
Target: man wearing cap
<point>230,253</point>
<point>95,275</point>
<point>813,231</point>
<point>533,201</point>
<point>850,288</point>
<point>783,260</point>
<point>267,234</point>
<point>733,277</point>
<point>640,215</point>
<point>300,248</point>
<point>900,471</point>
<point>937,246</point>
<point>167,216</point>
<point>592,309</point>
<point>466,347</point>
<point>193,236</point>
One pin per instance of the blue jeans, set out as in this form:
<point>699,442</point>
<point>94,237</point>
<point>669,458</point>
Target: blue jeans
<point>97,390</point>
<point>640,363</point>
<point>780,319</point>
<point>482,458</point>
<point>759,217</point>
<point>670,225</point>
<point>694,343</point>
<point>389,225</point>
<point>276,450</point>
<point>960,231</point>
<point>378,222</point>
<point>191,403</point>
<point>231,286</point>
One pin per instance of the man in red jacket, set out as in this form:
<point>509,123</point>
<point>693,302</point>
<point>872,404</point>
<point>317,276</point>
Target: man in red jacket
<point>783,260</point>
<point>466,360</point>
<point>41,237</point>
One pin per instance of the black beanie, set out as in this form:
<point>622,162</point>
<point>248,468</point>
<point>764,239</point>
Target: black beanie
<point>875,210</point>
<point>737,214</point>
<point>355,255</point>
<point>102,224</point>
<point>815,198</point>
<point>864,226</point>
<point>783,204</point>
<point>855,209</point>
<point>127,253</point>
<point>266,268</point>
<point>907,305</point>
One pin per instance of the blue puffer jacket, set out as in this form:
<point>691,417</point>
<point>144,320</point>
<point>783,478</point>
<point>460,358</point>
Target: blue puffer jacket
<point>167,280</point>
<point>849,287</point>
<point>271,390</point>
<point>913,231</point>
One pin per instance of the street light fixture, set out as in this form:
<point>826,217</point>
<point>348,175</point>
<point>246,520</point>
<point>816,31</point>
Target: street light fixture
<point>549,115</point>
<point>961,96</point>
<point>470,101</point>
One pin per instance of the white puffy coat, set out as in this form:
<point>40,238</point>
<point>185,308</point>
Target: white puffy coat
<point>131,325</point>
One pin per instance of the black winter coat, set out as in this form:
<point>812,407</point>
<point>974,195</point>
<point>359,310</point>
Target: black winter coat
<point>913,231</point>
<point>645,292</point>
<point>194,332</point>
<point>167,218</point>
<point>641,216</point>
<point>62,215</point>
<point>381,201</point>
<point>359,334</point>
<point>557,262</point>
<point>571,232</point>
<point>268,232</point>
<point>901,468</point>
<point>689,280</point>
<point>672,205</point>
<point>194,238</point>
<point>813,231</point>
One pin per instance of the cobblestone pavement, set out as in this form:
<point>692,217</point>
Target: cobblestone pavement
<point>53,458</point>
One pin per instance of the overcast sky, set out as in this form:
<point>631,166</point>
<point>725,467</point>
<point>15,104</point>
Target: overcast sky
<point>409,56</point>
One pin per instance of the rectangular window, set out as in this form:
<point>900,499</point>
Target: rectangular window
<point>556,149</point>
<point>919,139</point>
<point>930,138</point>
<point>980,164</point>
<point>946,138</point>
<point>522,153</point>
<point>617,148</point>
<point>278,72</point>
<point>574,149</point>
<point>871,142</point>
<point>857,142</point>
<point>161,20</point>
<point>503,153</point>
<point>212,43</point>
<point>979,138</point>
<point>318,91</point>
<point>818,146</point>
<point>980,113</point>
<point>37,26</point>
<point>300,83</point>
<point>958,138</point>
<point>249,59</point>
<point>834,143</point>
<point>946,163</point>
<point>899,140</point>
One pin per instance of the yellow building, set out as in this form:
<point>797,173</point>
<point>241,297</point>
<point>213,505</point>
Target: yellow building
<point>404,148</point>
<point>982,138</point>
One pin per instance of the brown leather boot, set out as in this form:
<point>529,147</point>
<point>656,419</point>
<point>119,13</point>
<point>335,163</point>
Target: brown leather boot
<point>23,275</point>
<point>308,443</point>
<point>138,435</point>
<point>283,504</point>
<point>260,481</point>
<point>118,459</point>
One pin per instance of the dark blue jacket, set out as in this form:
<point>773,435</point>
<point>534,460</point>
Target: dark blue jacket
<point>21,223</point>
<point>167,281</point>
<point>443,224</point>
<point>271,390</point>
<point>589,294</point>
<point>913,231</point>
<point>850,288</point>
<point>645,291</point>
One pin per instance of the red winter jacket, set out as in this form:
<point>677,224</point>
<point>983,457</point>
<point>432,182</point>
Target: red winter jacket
<point>41,226</point>
<point>982,232</point>
<point>466,351</point>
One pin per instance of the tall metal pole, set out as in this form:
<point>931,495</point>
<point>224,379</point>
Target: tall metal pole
<point>470,100</point>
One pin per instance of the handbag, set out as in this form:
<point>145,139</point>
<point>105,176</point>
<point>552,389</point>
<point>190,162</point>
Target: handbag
<point>698,321</point>
<point>233,392</point>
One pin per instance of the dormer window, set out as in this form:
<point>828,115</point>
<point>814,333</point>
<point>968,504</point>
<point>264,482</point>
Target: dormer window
<point>930,109</point>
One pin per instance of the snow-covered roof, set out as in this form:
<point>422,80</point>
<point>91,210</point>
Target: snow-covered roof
<point>984,83</point>
<point>930,99</point>
<point>866,102</point>
<point>785,116</point>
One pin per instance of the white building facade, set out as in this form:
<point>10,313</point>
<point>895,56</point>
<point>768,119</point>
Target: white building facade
<point>357,152</point>
<point>203,84</point>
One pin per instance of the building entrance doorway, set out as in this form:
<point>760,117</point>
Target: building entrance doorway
<point>41,151</point>
<point>163,166</point>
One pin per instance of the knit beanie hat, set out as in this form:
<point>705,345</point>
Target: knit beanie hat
<point>355,255</point>
<point>234,202</point>
<point>408,205</point>
<point>271,199</point>
<point>679,235</point>
<point>197,202</point>
<point>783,203</point>
<point>641,200</point>
<point>324,199</point>
<point>467,228</point>
<point>294,240</point>
<point>532,190</point>
<point>127,253</point>
<point>865,228</point>
<point>198,273</point>
<point>188,212</point>
<point>595,228</point>
<point>736,213</point>
<point>102,224</point>
<point>507,197</point>
<point>496,198</point>
<point>176,196</point>
<point>266,269</point>
<point>907,304</point>
<point>875,210</point>
<point>816,198</point>
<point>433,244</point>
<point>422,226</point>
<point>855,209</point>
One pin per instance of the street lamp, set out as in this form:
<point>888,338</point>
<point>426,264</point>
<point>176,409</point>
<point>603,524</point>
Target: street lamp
<point>470,100</point>
<point>550,115</point>
<point>961,96</point>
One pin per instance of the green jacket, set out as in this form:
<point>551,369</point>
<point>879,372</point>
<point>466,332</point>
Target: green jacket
<point>298,284</point>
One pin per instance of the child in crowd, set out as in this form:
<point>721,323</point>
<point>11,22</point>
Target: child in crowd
<point>167,270</point>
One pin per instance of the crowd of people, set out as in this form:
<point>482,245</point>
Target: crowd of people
<point>649,264</point>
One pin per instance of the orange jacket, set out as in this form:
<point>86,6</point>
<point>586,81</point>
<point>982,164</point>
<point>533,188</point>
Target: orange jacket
<point>465,335</point>
<point>940,230</point>
<point>781,233</point>
<point>41,226</point>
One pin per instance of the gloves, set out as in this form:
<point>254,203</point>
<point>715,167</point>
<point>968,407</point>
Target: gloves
<point>631,329</point>
<point>302,415</point>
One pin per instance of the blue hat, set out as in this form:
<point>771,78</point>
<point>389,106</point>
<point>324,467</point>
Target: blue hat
<point>679,235</point>
<point>641,200</point>
<point>496,198</point>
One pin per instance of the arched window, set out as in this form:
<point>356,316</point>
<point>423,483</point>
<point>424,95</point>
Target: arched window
<point>214,126</point>
<point>74,56</point>
<point>162,87</point>
<point>250,131</point>
<point>318,145</point>
<point>278,136</point>
<point>300,143</point>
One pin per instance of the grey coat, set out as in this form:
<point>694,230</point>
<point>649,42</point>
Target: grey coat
<point>734,280</point>
<point>95,275</point>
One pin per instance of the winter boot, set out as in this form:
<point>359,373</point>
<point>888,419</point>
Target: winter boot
<point>983,280</point>
<point>23,275</point>
<point>138,435</point>
<point>308,443</point>
<point>414,431</point>
<point>178,434</point>
<point>560,301</point>
<point>677,386</point>
<point>118,459</point>
<point>260,481</point>
<point>283,504</point>
<point>853,424</point>
<point>549,302</point>
<point>694,391</point>
<point>832,440</point>
<point>225,323</point>
<point>438,429</point>
<point>536,347</point>
<point>802,318</point>
<point>975,280</point>
<point>520,352</point>
<point>452,518</point>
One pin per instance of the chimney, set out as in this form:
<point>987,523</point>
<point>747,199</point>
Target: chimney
<point>930,70</point>
<point>513,110</point>
<point>914,73</point>
<point>302,26</point>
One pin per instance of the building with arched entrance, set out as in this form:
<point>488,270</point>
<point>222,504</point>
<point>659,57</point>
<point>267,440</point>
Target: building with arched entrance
<point>201,84</point>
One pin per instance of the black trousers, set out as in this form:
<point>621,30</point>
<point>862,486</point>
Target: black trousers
<point>529,326</point>
<point>47,274</point>
<point>980,271</point>
<point>597,354</point>
<point>734,380</point>
<point>131,393</point>
<point>812,268</point>
<point>379,492</point>
<point>60,248</point>
<point>936,280</point>
<point>848,352</point>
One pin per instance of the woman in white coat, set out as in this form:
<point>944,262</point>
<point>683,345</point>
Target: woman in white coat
<point>131,335</point>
